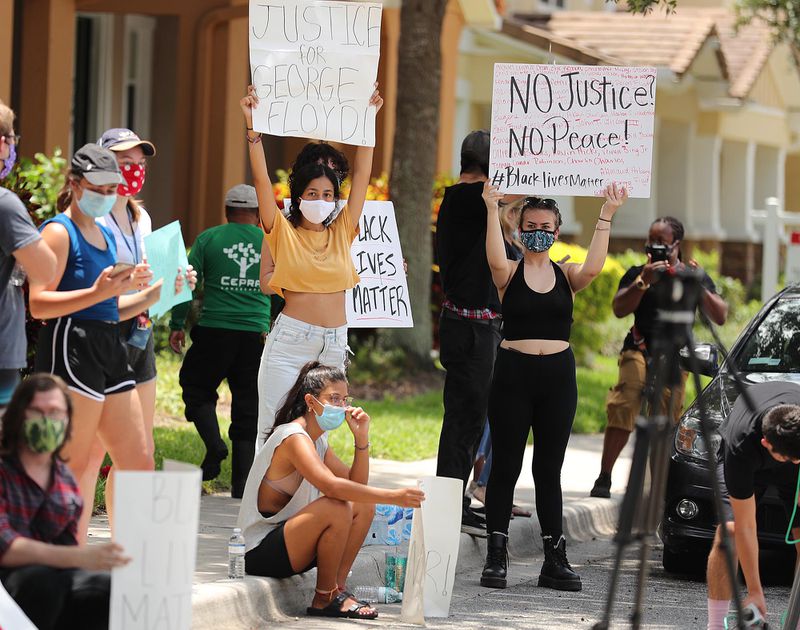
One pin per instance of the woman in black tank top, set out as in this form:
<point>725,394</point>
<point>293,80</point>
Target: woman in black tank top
<point>533,386</point>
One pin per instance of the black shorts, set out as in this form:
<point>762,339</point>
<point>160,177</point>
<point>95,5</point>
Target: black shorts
<point>271,559</point>
<point>89,355</point>
<point>786,486</point>
<point>142,361</point>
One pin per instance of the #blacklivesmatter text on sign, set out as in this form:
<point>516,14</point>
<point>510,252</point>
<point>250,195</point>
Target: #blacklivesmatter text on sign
<point>314,64</point>
<point>572,130</point>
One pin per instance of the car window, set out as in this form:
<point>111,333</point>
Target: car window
<point>775,345</point>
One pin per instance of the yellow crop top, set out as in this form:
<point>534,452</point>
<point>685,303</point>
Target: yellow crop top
<point>312,262</point>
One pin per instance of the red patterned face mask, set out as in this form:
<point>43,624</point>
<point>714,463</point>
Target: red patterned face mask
<point>134,180</point>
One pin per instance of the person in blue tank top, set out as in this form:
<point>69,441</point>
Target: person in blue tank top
<point>82,306</point>
<point>533,384</point>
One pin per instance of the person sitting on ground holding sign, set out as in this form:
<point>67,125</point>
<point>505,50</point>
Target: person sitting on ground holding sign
<point>759,448</point>
<point>313,266</point>
<point>533,385</point>
<point>83,305</point>
<point>56,582</point>
<point>303,507</point>
<point>635,296</point>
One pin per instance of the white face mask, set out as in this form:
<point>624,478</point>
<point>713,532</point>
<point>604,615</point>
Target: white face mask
<point>316,210</point>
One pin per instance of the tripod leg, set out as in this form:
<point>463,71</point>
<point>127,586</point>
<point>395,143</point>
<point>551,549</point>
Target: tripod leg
<point>628,512</point>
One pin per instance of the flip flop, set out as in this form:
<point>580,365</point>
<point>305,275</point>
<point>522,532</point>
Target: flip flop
<point>518,511</point>
<point>334,609</point>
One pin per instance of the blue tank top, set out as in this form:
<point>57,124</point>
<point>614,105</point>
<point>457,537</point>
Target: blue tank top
<point>84,264</point>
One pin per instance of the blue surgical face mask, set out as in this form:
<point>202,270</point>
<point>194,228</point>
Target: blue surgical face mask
<point>95,205</point>
<point>332,417</point>
<point>537,240</point>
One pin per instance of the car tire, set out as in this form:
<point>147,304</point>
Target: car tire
<point>684,563</point>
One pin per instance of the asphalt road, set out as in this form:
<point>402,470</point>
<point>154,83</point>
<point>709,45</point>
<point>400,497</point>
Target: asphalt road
<point>670,602</point>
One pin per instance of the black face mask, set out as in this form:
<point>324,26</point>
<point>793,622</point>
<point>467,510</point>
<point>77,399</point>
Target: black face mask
<point>658,253</point>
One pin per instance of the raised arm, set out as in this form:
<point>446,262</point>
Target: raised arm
<point>581,275</point>
<point>266,269</point>
<point>258,163</point>
<point>502,269</point>
<point>362,170</point>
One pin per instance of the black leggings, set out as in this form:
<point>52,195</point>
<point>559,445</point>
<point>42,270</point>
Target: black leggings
<point>536,392</point>
<point>60,599</point>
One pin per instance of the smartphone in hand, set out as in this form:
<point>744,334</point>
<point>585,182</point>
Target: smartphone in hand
<point>120,268</point>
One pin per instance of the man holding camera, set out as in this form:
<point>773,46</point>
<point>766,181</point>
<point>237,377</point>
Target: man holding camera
<point>759,447</point>
<point>635,296</point>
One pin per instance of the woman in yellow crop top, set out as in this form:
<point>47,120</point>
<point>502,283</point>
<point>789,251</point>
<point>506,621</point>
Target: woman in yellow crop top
<point>313,267</point>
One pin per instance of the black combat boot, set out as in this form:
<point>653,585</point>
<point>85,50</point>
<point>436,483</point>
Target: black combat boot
<point>242,459</point>
<point>494,571</point>
<point>556,572</point>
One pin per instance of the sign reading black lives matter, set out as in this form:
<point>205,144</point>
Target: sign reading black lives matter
<point>380,300</point>
<point>314,64</point>
<point>572,130</point>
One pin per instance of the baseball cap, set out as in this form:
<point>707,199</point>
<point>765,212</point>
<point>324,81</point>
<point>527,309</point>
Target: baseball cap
<point>241,196</point>
<point>120,139</point>
<point>475,148</point>
<point>97,165</point>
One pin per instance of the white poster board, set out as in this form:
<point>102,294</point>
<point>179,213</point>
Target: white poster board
<point>432,561</point>
<point>11,615</point>
<point>380,299</point>
<point>314,64</point>
<point>572,130</point>
<point>156,518</point>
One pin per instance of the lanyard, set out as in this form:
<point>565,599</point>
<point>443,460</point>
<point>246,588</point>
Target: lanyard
<point>135,249</point>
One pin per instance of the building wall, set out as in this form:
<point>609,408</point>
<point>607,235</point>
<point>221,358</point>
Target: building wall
<point>6,44</point>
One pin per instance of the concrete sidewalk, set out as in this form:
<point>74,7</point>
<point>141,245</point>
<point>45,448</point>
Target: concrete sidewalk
<point>218,603</point>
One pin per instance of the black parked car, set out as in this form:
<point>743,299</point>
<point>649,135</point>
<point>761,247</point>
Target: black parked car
<point>767,350</point>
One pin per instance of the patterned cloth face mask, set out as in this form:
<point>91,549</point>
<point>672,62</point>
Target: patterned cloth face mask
<point>537,240</point>
<point>134,175</point>
<point>43,434</point>
<point>9,161</point>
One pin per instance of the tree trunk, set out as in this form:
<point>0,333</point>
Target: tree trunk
<point>414,160</point>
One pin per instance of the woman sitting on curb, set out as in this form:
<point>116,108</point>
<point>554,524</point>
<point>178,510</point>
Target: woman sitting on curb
<point>55,582</point>
<point>289,526</point>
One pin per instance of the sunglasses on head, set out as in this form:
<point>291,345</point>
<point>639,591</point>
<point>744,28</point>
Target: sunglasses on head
<point>540,202</point>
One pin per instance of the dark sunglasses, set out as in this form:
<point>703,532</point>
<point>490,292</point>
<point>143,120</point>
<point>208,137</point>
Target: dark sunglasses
<point>540,202</point>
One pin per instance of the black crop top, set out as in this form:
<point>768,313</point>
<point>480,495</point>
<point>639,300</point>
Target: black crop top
<point>528,314</point>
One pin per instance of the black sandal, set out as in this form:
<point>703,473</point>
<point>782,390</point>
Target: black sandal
<point>334,608</point>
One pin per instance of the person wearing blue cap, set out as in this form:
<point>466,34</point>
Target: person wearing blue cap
<point>81,341</point>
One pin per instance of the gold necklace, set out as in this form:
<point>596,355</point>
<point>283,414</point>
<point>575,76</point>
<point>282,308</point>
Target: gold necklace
<point>321,255</point>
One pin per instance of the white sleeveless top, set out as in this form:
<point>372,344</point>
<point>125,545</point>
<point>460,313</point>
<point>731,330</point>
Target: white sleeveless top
<point>127,245</point>
<point>254,526</point>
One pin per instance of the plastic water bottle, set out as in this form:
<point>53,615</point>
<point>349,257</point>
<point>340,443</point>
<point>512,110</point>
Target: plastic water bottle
<point>379,594</point>
<point>236,555</point>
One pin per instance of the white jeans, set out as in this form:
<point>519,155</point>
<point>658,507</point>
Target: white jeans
<point>290,345</point>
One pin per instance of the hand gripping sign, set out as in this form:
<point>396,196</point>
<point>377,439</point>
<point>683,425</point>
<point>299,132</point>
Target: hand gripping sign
<point>314,64</point>
<point>572,130</point>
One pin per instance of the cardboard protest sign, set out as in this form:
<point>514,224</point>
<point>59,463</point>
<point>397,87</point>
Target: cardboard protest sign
<point>166,252</point>
<point>314,64</point>
<point>381,299</point>
<point>572,130</point>
<point>156,518</point>
<point>433,550</point>
<point>11,615</point>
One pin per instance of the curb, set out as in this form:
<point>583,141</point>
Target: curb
<point>255,601</point>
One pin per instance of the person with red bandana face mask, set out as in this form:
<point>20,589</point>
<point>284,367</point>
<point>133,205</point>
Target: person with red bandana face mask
<point>129,222</point>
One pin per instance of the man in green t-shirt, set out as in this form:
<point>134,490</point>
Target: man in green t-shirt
<point>227,340</point>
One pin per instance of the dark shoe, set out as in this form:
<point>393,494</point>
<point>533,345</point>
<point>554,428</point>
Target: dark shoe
<point>556,571</point>
<point>241,461</point>
<point>472,524</point>
<point>494,571</point>
<point>212,462</point>
<point>602,487</point>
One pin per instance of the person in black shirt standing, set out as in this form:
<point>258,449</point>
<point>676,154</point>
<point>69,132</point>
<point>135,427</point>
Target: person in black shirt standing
<point>624,400</point>
<point>469,328</point>
<point>761,445</point>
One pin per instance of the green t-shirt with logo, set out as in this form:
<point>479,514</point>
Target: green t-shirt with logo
<point>227,259</point>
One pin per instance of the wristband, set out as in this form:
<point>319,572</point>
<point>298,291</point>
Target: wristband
<point>362,448</point>
<point>599,229</point>
<point>602,219</point>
